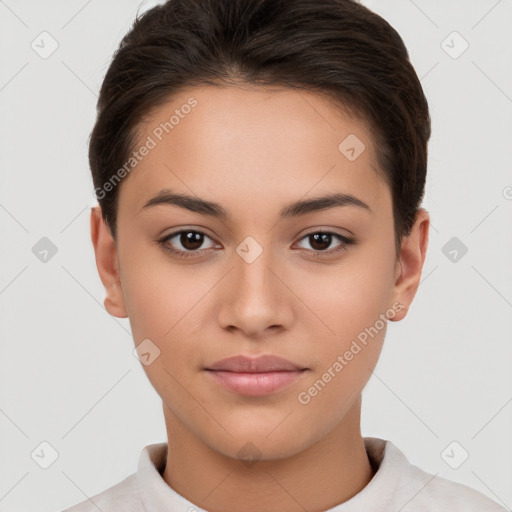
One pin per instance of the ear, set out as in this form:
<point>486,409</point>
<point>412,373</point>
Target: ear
<point>107,264</point>
<point>410,263</point>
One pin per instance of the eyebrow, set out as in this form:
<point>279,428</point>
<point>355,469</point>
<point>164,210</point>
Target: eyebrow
<point>295,209</point>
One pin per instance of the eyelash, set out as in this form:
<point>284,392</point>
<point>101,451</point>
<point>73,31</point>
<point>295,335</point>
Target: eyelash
<point>187,254</point>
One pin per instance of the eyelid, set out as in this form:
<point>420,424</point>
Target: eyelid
<point>330,230</point>
<point>343,233</point>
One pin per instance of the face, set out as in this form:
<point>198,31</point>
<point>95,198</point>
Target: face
<point>313,284</point>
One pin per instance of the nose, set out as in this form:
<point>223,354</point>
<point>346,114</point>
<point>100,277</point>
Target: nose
<point>255,299</point>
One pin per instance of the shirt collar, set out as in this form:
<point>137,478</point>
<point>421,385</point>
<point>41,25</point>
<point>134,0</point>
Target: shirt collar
<point>154,492</point>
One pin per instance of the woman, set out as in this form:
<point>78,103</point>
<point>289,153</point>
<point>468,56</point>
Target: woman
<point>259,167</point>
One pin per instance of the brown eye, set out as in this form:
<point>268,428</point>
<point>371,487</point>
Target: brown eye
<point>185,242</point>
<point>191,240</point>
<point>320,241</point>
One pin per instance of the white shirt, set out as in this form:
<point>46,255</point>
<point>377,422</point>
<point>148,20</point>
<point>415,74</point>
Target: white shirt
<point>396,486</point>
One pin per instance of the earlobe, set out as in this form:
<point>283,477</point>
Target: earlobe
<point>410,263</point>
<point>107,264</point>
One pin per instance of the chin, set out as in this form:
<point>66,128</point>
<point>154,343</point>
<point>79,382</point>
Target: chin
<point>252,445</point>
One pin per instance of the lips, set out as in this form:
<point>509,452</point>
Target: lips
<point>260,376</point>
<point>262,364</point>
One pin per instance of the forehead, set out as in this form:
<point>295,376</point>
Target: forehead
<point>255,145</point>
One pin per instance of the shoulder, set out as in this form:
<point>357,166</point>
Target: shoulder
<point>419,491</point>
<point>456,497</point>
<point>433,490</point>
<point>123,496</point>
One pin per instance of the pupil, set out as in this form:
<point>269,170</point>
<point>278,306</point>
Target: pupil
<point>191,240</point>
<point>324,239</point>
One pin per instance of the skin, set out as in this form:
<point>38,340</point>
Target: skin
<point>254,150</point>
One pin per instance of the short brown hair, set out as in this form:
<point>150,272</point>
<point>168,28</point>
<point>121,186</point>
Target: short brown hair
<point>334,47</point>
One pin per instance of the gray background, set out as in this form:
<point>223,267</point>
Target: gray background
<point>68,374</point>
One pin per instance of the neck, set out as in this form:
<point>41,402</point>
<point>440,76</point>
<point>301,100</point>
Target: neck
<point>325,474</point>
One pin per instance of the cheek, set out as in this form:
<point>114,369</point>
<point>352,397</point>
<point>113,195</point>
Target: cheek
<point>353,302</point>
<point>350,297</point>
<point>351,305</point>
<point>157,293</point>
<point>165,304</point>
<point>160,310</point>
<point>355,308</point>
